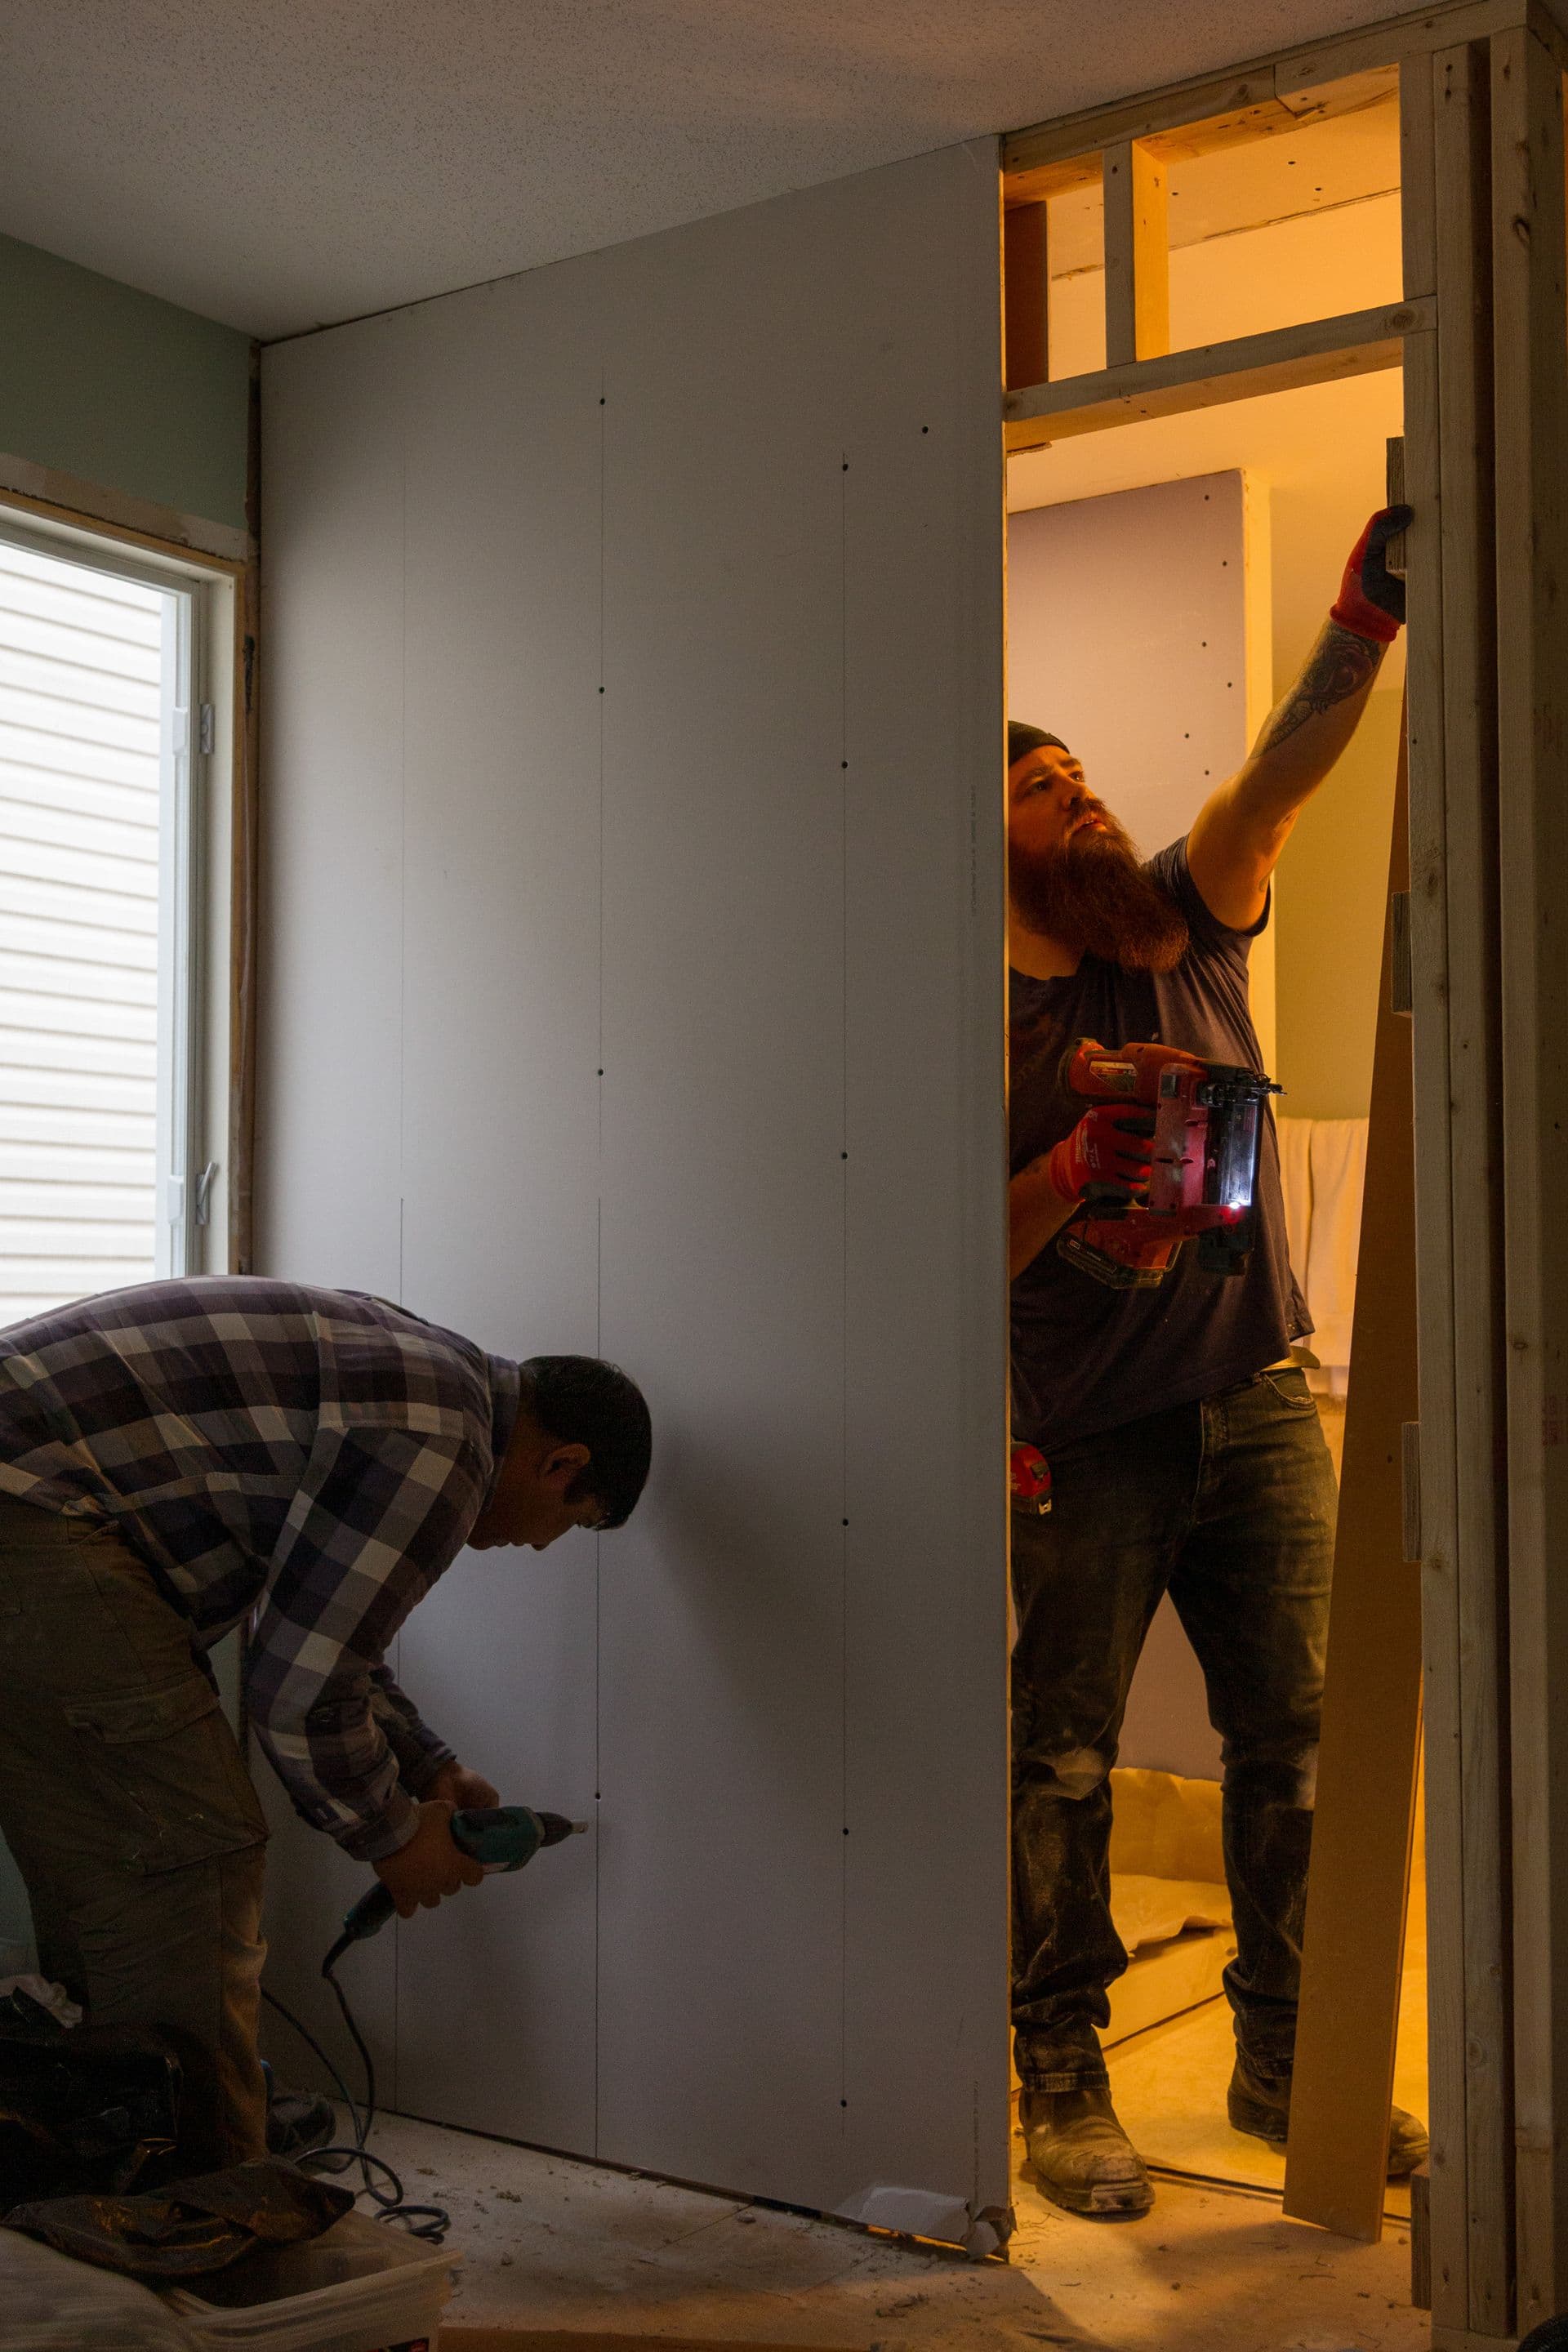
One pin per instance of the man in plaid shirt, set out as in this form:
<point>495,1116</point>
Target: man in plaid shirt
<point>180,1458</point>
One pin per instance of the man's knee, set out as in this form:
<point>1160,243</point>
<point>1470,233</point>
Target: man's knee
<point>1284,1767</point>
<point>1073,1773</point>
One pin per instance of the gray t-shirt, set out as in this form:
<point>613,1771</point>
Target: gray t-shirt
<point>1088,1358</point>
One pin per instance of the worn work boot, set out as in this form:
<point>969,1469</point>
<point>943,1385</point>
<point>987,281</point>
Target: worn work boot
<point>1083,2159</point>
<point>1263,2109</point>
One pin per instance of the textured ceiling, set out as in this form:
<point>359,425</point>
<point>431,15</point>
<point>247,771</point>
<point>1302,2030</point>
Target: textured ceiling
<point>284,163</point>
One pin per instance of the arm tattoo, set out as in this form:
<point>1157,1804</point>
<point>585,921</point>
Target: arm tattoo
<point>1338,666</point>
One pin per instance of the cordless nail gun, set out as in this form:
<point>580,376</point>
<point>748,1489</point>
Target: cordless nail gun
<point>1202,1183</point>
<point>501,1837</point>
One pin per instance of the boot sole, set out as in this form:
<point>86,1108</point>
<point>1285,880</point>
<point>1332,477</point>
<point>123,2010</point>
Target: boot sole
<point>1262,2122</point>
<point>1114,2201</point>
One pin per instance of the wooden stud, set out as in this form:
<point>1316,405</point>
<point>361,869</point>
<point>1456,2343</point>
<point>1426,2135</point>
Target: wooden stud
<point>1323,350</point>
<point>1421,2240</point>
<point>1137,254</point>
<point>1026,286</point>
<point>1336,2162</point>
<point>1476,1565</point>
<point>1259,101</point>
<point>1434,1248</point>
<point>1529,302</point>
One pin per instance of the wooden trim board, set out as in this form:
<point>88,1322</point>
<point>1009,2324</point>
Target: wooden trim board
<point>137,522</point>
<point>1324,351</point>
<point>1336,2162</point>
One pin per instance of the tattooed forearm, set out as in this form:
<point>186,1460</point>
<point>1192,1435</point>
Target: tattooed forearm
<point>1339,665</point>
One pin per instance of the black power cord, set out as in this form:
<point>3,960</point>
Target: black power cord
<point>430,2221</point>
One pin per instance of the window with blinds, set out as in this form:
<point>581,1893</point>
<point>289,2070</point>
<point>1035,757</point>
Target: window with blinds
<point>96,954</point>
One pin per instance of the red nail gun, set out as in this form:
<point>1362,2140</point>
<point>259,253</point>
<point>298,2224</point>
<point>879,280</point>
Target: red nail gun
<point>1208,1132</point>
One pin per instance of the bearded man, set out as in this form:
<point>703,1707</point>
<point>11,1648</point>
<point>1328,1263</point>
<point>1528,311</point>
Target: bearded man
<point>1183,1447</point>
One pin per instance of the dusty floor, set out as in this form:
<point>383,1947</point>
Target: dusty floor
<point>549,2242</point>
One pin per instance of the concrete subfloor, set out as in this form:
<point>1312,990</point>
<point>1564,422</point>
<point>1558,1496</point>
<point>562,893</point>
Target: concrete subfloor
<point>548,2243</point>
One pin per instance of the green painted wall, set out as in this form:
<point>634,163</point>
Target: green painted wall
<point>119,388</point>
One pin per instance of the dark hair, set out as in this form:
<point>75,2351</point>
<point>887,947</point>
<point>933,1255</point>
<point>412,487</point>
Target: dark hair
<point>582,1400</point>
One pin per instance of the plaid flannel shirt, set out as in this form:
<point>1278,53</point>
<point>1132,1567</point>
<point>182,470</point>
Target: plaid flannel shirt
<point>312,1459</point>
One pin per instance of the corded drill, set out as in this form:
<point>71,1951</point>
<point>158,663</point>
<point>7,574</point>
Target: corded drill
<point>500,1837</point>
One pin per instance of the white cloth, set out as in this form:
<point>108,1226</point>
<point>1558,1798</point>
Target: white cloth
<point>1296,1180</point>
<point>1339,1179</point>
<point>1324,1171</point>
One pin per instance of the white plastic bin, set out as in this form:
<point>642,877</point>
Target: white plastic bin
<point>362,2286</point>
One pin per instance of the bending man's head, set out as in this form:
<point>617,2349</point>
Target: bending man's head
<point>1073,874</point>
<point>578,1456</point>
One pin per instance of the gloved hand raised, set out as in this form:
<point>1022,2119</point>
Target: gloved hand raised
<point>1111,1144</point>
<point>1371,598</point>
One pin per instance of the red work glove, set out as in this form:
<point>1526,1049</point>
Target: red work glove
<point>1371,598</point>
<point>1109,1145</point>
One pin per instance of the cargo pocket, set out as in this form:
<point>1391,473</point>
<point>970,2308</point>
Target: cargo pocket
<point>173,1787</point>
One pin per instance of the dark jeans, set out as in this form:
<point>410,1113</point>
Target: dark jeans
<point>1228,1504</point>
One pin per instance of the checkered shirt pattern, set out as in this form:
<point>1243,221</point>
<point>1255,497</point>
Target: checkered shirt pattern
<point>309,1459</point>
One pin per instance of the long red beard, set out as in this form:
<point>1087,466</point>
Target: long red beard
<point>1092,894</point>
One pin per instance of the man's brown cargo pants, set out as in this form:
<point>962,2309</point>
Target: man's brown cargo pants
<point>126,1803</point>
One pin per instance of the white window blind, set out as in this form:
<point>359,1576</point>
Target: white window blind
<point>94,960</point>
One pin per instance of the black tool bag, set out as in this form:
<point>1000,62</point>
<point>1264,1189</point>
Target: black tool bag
<point>83,2109</point>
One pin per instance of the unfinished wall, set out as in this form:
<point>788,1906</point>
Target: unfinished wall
<point>117,388</point>
<point>1314,461</point>
<point>633,971</point>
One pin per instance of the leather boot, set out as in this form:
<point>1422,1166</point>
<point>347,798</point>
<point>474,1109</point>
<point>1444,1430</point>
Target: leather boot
<point>1083,2159</point>
<point>1263,2108</point>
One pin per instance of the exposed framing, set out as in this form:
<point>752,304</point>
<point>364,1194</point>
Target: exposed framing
<point>1482,335</point>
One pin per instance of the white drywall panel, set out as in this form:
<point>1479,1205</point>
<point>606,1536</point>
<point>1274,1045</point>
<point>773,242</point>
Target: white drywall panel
<point>785,973</point>
<point>329,1016</point>
<point>721,1658</point>
<point>1127,636</point>
<point>926,1380</point>
<point>501,985</point>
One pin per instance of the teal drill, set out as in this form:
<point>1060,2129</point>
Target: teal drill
<point>501,1837</point>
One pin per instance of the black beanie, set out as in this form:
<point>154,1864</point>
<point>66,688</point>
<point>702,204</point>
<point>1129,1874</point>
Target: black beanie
<point>1023,740</point>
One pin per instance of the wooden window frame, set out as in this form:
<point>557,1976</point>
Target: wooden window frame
<point>1481,333</point>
